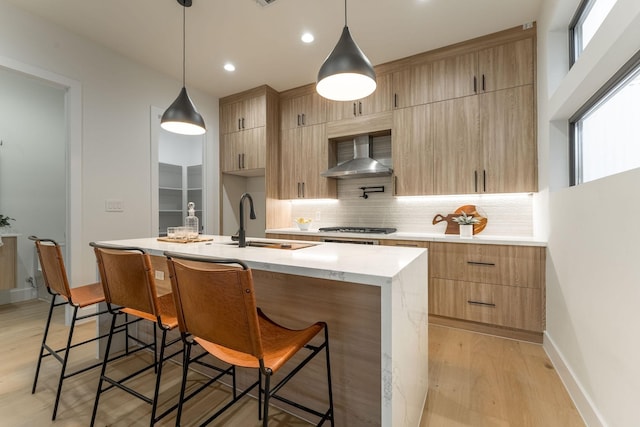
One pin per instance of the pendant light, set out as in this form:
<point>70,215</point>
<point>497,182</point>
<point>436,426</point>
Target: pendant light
<point>346,74</point>
<point>181,116</point>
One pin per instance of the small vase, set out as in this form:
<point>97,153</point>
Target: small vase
<point>466,231</point>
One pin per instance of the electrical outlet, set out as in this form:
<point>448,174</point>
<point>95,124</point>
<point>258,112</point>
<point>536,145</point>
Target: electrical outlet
<point>159,275</point>
<point>318,216</point>
<point>113,206</point>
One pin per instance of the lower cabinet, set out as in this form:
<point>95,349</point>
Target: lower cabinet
<point>481,286</point>
<point>8,259</point>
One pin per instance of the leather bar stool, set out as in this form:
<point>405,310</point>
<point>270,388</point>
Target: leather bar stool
<point>57,284</point>
<point>130,289</point>
<point>217,310</point>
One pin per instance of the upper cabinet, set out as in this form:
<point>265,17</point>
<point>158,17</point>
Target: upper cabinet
<point>505,66</point>
<point>302,110</point>
<point>243,114</point>
<point>379,101</point>
<point>245,130</point>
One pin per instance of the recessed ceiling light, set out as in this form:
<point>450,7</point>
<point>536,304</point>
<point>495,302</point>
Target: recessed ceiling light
<point>307,37</point>
<point>229,66</point>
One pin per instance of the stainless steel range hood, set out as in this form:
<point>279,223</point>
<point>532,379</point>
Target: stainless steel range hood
<point>362,165</point>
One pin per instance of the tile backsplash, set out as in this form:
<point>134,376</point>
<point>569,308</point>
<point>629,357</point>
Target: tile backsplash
<point>507,214</point>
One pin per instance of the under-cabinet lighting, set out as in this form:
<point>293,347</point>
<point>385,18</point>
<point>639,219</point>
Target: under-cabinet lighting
<point>314,201</point>
<point>464,197</point>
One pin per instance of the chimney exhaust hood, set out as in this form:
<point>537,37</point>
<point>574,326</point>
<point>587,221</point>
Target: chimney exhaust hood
<point>362,165</point>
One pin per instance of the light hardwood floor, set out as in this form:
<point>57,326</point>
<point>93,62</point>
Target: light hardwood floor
<point>474,380</point>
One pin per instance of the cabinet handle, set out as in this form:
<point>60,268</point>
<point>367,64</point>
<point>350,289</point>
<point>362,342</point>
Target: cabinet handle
<point>483,84</point>
<point>298,190</point>
<point>354,109</point>
<point>242,160</point>
<point>395,100</point>
<point>475,180</point>
<point>487,264</point>
<point>407,245</point>
<point>395,185</point>
<point>303,190</point>
<point>243,123</point>
<point>484,180</point>
<point>239,124</point>
<point>475,84</point>
<point>484,304</point>
<point>360,108</point>
<point>303,119</point>
<point>298,119</point>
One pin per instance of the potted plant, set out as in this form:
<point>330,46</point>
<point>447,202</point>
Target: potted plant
<point>466,223</point>
<point>4,221</point>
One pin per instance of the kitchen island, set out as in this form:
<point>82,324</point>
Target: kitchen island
<point>374,300</point>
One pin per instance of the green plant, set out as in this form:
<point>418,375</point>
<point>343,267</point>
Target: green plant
<point>465,219</point>
<point>4,221</point>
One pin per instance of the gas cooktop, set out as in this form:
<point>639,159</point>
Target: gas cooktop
<point>367,230</point>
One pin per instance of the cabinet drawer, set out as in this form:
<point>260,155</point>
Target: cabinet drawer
<point>510,306</point>
<point>494,264</point>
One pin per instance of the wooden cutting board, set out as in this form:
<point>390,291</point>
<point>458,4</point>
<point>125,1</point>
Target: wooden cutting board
<point>453,227</point>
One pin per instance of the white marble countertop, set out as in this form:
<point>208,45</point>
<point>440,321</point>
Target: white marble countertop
<point>427,237</point>
<point>374,265</point>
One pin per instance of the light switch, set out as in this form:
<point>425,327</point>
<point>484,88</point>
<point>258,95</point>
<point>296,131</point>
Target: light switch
<point>113,205</point>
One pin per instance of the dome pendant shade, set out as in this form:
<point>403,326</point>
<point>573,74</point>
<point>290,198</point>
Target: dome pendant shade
<point>181,117</point>
<point>346,74</point>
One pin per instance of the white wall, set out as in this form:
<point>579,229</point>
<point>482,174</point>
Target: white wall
<point>116,97</point>
<point>593,321</point>
<point>32,167</point>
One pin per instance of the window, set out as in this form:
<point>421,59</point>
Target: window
<point>585,23</point>
<point>605,136</point>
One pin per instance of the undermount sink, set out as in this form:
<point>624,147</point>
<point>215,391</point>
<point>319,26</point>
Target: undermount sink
<point>274,245</point>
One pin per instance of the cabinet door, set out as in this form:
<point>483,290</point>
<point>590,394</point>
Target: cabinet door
<point>421,83</point>
<point>402,88</point>
<point>412,149</point>
<point>290,145</point>
<point>254,148</point>
<point>505,66</point>
<point>8,259</point>
<point>313,159</point>
<point>230,117</point>
<point>456,145</point>
<point>231,145</point>
<point>381,99</point>
<point>453,77</point>
<point>508,140</point>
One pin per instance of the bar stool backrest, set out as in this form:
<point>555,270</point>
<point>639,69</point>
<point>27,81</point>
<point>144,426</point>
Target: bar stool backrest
<point>53,270</point>
<point>217,305</point>
<point>127,278</point>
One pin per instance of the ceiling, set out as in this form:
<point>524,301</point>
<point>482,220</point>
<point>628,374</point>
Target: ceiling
<point>264,41</point>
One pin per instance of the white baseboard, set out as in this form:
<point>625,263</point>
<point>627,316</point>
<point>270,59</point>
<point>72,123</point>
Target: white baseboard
<point>585,406</point>
<point>17,295</point>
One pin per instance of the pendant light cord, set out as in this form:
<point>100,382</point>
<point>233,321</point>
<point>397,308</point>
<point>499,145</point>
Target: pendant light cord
<point>184,36</point>
<point>345,13</point>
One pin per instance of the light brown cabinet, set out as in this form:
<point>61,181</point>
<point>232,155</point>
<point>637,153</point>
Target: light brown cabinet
<point>505,66</point>
<point>8,259</point>
<point>499,285</point>
<point>304,154</point>
<point>304,110</point>
<point>379,101</point>
<point>412,151</point>
<point>243,114</point>
<point>243,151</point>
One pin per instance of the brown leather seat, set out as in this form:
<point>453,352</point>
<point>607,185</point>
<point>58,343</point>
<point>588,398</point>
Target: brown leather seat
<point>216,307</point>
<point>130,289</point>
<point>57,284</point>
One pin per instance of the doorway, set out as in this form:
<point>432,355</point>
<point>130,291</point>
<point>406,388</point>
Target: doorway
<point>40,166</point>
